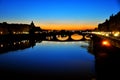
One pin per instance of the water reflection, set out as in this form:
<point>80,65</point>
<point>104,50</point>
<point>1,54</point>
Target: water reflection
<point>62,60</point>
<point>48,59</point>
<point>106,61</point>
<point>7,45</point>
<point>16,45</point>
<point>107,65</point>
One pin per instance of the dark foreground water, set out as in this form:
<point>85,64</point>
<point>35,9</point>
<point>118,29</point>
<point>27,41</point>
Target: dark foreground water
<point>49,60</point>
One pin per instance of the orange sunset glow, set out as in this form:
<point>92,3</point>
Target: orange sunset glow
<point>67,26</point>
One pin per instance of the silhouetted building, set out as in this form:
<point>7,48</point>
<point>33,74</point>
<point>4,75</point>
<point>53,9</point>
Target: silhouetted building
<point>113,24</point>
<point>6,28</point>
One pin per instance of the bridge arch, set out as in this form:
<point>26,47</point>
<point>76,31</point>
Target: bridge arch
<point>87,37</point>
<point>70,37</point>
<point>62,37</point>
<point>76,36</point>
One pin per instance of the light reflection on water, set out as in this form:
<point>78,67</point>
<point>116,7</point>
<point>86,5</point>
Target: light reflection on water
<point>50,57</point>
<point>76,37</point>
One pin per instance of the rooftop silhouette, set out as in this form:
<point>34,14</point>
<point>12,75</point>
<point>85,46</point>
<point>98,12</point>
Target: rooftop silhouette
<point>111,24</point>
<point>6,28</point>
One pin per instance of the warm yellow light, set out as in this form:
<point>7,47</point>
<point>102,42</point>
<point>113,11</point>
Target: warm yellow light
<point>59,37</point>
<point>103,33</point>
<point>106,34</point>
<point>88,37</point>
<point>99,33</point>
<point>76,37</point>
<point>25,32</point>
<point>49,38</point>
<point>116,34</point>
<point>36,32</point>
<point>106,43</point>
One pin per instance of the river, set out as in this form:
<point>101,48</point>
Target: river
<point>49,59</point>
<point>59,59</point>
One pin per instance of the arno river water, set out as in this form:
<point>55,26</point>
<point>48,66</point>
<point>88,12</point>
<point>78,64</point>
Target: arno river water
<point>49,60</point>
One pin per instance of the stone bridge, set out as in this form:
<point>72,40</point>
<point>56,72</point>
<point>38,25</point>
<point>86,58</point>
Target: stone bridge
<point>69,37</point>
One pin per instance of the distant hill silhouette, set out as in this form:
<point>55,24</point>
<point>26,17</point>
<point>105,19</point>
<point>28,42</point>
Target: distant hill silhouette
<point>111,24</point>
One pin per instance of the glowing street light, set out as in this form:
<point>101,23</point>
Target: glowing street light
<point>116,34</point>
<point>106,43</point>
<point>106,34</point>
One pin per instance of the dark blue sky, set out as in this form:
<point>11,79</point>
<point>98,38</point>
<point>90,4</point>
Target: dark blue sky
<point>85,12</point>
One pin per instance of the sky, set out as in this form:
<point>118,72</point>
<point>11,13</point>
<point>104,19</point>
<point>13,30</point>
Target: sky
<point>58,14</point>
